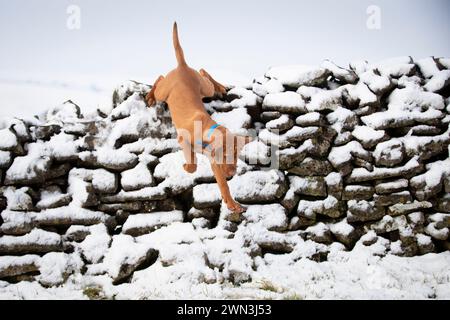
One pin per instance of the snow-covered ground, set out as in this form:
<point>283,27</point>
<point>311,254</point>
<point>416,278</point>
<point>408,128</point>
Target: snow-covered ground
<point>358,274</point>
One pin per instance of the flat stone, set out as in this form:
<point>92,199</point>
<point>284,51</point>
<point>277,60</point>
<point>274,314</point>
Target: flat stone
<point>310,119</point>
<point>282,124</point>
<point>312,167</point>
<point>389,153</point>
<point>405,208</point>
<point>362,210</point>
<point>393,198</point>
<point>358,192</point>
<point>344,233</point>
<point>206,195</point>
<point>284,102</point>
<point>362,174</point>
<point>391,186</point>
<point>122,263</point>
<point>258,186</point>
<point>267,116</point>
<point>298,75</point>
<point>139,224</point>
<point>11,266</point>
<point>37,241</point>
<point>114,207</point>
<point>310,186</point>
<point>329,207</point>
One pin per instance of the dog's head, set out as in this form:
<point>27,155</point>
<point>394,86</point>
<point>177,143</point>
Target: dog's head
<point>227,155</point>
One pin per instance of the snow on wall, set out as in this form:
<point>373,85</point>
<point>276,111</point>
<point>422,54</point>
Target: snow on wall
<point>362,162</point>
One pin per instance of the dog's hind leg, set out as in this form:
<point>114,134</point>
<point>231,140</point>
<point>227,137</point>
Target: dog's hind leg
<point>218,88</point>
<point>151,96</point>
<point>232,205</point>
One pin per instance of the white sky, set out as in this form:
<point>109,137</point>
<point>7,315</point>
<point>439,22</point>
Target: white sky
<point>233,38</point>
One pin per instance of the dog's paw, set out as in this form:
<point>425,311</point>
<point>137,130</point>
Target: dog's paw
<point>236,211</point>
<point>190,167</point>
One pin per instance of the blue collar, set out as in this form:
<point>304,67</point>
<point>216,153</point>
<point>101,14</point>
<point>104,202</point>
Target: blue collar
<point>210,132</point>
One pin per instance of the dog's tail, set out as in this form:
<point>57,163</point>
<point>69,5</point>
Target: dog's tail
<point>178,50</point>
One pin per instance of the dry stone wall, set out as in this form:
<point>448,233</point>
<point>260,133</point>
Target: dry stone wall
<point>343,157</point>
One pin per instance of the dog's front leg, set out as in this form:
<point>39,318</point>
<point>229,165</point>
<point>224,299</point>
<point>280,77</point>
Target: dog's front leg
<point>189,155</point>
<point>225,191</point>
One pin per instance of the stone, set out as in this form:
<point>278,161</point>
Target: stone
<point>377,83</point>
<point>379,173</point>
<point>319,232</point>
<point>341,74</point>
<point>77,233</point>
<point>142,223</point>
<point>424,244</point>
<point>363,210</point>
<point>28,170</point>
<point>52,197</point>
<point>271,216</point>
<point>16,222</point>
<point>56,267</point>
<point>310,119</point>
<point>299,75</point>
<point>8,140</point>
<point>44,132</point>
<point>207,213</point>
<point>312,167</point>
<point>358,192</point>
<point>437,233</point>
<point>334,184</point>
<point>393,198</point>
<point>71,215</point>
<point>65,112</point>
<point>11,266</point>
<point>325,100</point>
<point>405,208</point>
<point>256,152</point>
<point>392,186</point>
<point>292,157</point>
<point>342,156</point>
<point>258,186</point>
<point>388,224</point>
<point>37,241</point>
<point>116,160</point>
<point>5,159</point>
<point>137,178</point>
<point>111,208</point>
<point>281,124</point>
<point>125,256</point>
<point>344,232</point>
<point>310,186</point>
<point>206,195</point>
<point>18,199</point>
<point>368,137</point>
<point>267,116</point>
<point>144,194</point>
<point>284,102</point>
<point>389,153</point>
<point>443,204</point>
<point>290,200</point>
<point>329,207</point>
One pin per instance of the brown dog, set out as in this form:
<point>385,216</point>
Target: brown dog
<point>183,89</point>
